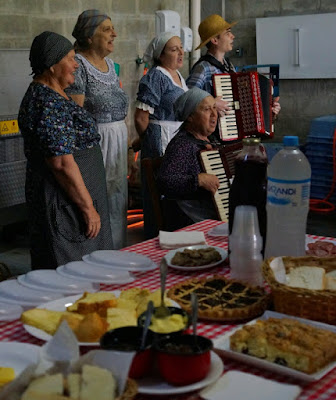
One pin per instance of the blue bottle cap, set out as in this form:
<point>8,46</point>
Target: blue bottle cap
<point>291,141</point>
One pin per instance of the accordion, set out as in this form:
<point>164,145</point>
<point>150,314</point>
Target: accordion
<point>220,162</point>
<point>251,97</point>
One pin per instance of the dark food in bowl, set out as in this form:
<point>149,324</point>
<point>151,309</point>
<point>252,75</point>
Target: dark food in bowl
<point>197,257</point>
<point>129,339</point>
<point>181,361</point>
<point>177,322</point>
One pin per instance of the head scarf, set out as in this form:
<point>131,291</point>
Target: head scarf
<point>188,102</point>
<point>155,47</point>
<point>48,49</point>
<point>87,23</point>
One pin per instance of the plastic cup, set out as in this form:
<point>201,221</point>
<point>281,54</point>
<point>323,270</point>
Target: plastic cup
<point>245,222</point>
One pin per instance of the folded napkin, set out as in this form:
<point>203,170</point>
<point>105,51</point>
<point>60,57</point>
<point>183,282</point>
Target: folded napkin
<point>240,385</point>
<point>174,240</point>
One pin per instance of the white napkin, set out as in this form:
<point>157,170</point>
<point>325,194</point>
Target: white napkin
<point>174,240</point>
<point>240,385</point>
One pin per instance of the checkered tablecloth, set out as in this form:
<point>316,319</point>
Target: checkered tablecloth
<point>324,389</point>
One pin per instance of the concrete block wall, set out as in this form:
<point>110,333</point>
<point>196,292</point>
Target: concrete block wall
<point>134,20</point>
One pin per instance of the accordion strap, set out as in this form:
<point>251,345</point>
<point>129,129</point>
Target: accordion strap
<point>225,68</point>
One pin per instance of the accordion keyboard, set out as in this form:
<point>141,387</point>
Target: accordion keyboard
<point>212,163</point>
<point>228,123</point>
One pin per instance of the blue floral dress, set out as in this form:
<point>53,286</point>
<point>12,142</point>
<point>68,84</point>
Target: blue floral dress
<point>53,126</point>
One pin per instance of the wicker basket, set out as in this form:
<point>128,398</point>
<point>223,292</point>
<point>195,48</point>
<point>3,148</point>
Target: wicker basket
<point>130,391</point>
<point>319,305</point>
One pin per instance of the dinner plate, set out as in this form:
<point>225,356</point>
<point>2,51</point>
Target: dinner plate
<point>18,355</point>
<point>52,281</point>
<point>10,312</point>
<point>170,255</point>
<point>156,386</point>
<point>96,274</point>
<point>223,345</point>
<point>12,292</point>
<point>219,230</point>
<point>117,259</point>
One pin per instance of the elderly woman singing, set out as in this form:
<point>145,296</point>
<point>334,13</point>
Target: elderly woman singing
<point>97,89</point>
<point>65,180</point>
<point>181,177</point>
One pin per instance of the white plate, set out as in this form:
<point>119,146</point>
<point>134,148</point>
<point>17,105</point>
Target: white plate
<point>10,312</point>
<point>156,386</point>
<point>223,344</point>
<point>219,230</point>
<point>58,305</point>
<point>116,259</point>
<point>171,254</point>
<point>88,273</point>
<point>54,282</point>
<point>18,355</point>
<point>12,292</point>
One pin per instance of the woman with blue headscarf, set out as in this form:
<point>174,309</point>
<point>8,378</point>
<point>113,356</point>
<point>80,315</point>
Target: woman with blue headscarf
<point>97,89</point>
<point>154,117</point>
<point>65,178</point>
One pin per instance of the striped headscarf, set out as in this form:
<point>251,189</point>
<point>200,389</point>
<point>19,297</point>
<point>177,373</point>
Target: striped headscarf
<point>86,24</point>
<point>48,49</point>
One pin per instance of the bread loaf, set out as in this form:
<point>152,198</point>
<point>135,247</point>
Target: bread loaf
<point>307,277</point>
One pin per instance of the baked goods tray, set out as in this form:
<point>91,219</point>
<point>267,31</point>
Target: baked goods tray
<point>222,346</point>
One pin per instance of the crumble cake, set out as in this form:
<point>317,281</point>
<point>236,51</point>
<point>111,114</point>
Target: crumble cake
<point>287,342</point>
<point>196,257</point>
<point>220,299</point>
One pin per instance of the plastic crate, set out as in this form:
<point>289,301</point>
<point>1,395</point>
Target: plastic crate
<point>323,127</point>
<point>11,149</point>
<point>12,183</point>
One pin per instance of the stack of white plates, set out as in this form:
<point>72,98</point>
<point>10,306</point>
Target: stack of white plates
<point>51,281</point>
<point>10,312</point>
<point>11,291</point>
<point>122,260</point>
<point>83,271</point>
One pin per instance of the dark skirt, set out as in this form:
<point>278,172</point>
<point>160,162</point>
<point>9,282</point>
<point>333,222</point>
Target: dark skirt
<point>56,223</point>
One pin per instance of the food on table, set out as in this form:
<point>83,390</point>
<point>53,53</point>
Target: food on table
<point>287,342</point>
<point>321,248</point>
<point>331,280</point>
<point>307,277</point>
<point>171,323</point>
<point>97,302</point>
<point>94,313</point>
<point>48,320</point>
<point>7,374</point>
<point>220,298</point>
<point>197,257</point>
<point>93,383</point>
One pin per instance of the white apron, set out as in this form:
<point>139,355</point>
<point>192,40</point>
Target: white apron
<point>168,131</point>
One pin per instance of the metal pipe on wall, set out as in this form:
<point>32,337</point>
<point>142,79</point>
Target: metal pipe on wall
<point>195,20</point>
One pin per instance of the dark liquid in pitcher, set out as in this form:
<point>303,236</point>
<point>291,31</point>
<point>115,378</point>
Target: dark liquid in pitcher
<point>249,188</point>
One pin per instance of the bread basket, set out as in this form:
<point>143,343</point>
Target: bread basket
<point>319,305</point>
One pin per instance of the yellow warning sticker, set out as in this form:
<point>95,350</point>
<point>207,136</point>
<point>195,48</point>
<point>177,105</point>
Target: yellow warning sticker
<point>9,127</point>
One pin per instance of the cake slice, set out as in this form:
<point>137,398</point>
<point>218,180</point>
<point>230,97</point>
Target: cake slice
<point>307,277</point>
<point>45,385</point>
<point>94,303</point>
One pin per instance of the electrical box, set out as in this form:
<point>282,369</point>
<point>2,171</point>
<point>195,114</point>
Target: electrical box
<point>167,21</point>
<point>186,38</point>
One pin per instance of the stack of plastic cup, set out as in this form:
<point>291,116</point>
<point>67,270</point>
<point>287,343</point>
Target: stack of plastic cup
<point>245,243</point>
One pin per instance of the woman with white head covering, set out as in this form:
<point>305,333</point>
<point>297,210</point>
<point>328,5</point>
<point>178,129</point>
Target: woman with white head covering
<point>181,177</point>
<point>154,117</point>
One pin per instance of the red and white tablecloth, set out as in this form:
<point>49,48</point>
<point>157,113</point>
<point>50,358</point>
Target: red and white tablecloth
<point>324,389</point>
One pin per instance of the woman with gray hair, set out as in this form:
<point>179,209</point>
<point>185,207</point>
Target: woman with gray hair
<point>65,179</point>
<point>154,117</point>
<point>97,88</point>
<point>181,177</point>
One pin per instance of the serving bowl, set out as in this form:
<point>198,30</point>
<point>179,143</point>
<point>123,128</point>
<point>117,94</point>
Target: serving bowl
<point>128,339</point>
<point>178,321</point>
<point>181,360</point>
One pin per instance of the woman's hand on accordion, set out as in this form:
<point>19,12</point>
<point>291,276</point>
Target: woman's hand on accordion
<point>222,106</point>
<point>208,182</point>
<point>276,106</point>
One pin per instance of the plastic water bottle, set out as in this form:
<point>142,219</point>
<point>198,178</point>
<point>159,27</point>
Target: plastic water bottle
<point>288,190</point>
<point>245,244</point>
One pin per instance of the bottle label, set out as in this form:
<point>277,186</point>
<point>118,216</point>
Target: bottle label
<point>284,193</point>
